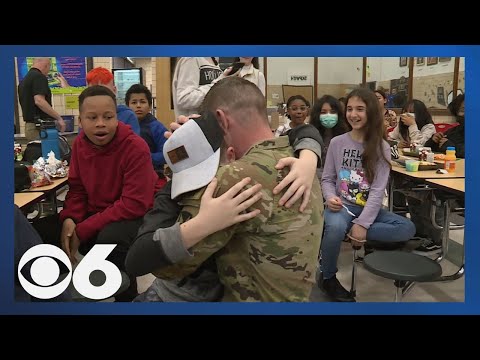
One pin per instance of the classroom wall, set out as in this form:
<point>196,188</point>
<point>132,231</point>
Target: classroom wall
<point>58,100</point>
<point>337,76</point>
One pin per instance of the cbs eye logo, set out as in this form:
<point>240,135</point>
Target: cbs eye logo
<point>45,272</point>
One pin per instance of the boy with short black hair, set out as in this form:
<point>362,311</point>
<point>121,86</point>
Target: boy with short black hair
<point>139,99</point>
<point>111,179</point>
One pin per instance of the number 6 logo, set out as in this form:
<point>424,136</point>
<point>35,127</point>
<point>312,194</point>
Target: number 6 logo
<point>45,272</point>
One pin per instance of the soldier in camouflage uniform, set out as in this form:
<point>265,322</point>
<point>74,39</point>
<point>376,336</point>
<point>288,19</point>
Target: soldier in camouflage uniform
<point>272,257</point>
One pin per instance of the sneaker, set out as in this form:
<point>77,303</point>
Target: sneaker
<point>334,289</point>
<point>414,243</point>
<point>428,247</point>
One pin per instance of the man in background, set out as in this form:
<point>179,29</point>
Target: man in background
<point>35,98</point>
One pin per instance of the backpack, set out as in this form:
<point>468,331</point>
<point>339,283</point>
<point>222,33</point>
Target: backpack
<point>34,150</point>
<point>65,148</point>
<point>21,176</point>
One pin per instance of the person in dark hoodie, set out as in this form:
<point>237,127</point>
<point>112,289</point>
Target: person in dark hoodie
<point>454,136</point>
<point>139,99</point>
<point>26,237</point>
<point>419,202</point>
<point>112,183</point>
<point>101,76</point>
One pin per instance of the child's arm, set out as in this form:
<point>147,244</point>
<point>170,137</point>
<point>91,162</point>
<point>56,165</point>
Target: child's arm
<point>147,253</point>
<point>137,192</point>
<point>161,241</point>
<point>307,144</point>
<point>421,136</point>
<point>158,131</point>
<point>329,175</point>
<point>75,206</point>
<point>395,133</point>
<point>131,119</point>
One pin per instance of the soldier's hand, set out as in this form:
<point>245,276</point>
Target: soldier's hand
<point>301,176</point>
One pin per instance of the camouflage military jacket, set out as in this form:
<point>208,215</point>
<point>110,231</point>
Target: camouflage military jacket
<point>272,257</point>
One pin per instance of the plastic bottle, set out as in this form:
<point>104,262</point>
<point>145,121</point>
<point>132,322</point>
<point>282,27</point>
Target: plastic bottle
<point>450,159</point>
<point>49,138</point>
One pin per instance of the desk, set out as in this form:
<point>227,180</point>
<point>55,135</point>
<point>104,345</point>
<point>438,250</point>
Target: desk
<point>51,190</point>
<point>57,184</point>
<point>27,198</point>
<point>456,187</point>
<point>422,176</point>
<point>431,174</point>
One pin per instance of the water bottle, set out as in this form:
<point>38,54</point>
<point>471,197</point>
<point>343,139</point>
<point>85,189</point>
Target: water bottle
<point>49,138</point>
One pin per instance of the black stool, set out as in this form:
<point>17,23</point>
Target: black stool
<point>402,267</point>
<point>369,246</point>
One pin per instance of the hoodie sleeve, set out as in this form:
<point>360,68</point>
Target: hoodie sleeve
<point>329,175</point>
<point>306,136</point>
<point>127,116</point>
<point>395,134</point>
<point>158,242</point>
<point>137,193</point>
<point>132,120</point>
<point>158,131</point>
<point>75,205</point>
<point>421,136</point>
<point>189,93</point>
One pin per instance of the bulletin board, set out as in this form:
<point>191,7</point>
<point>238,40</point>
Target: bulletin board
<point>305,90</point>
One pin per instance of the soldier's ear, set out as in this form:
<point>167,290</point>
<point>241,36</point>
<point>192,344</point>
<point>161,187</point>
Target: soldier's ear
<point>230,155</point>
<point>223,120</point>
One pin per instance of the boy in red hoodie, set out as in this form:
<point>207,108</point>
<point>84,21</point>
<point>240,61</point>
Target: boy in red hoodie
<point>112,182</point>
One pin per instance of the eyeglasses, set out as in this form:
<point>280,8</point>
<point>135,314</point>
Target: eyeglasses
<point>301,108</point>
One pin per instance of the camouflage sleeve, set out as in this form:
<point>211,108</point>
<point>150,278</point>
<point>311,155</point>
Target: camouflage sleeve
<point>227,176</point>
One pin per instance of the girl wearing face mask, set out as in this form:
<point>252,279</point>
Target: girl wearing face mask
<point>328,117</point>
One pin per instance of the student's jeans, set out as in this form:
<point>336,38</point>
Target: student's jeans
<point>388,227</point>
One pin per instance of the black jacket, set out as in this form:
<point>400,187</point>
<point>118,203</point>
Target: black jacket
<point>456,137</point>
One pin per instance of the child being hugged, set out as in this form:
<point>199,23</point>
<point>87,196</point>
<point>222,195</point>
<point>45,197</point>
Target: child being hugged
<point>354,179</point>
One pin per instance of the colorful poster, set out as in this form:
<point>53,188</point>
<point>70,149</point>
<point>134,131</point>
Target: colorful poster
<point>73,70</point>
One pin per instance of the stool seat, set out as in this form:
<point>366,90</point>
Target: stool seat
<point>402,266</point>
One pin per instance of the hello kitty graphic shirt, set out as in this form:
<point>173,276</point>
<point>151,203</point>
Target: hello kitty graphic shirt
<point>344,176</point>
